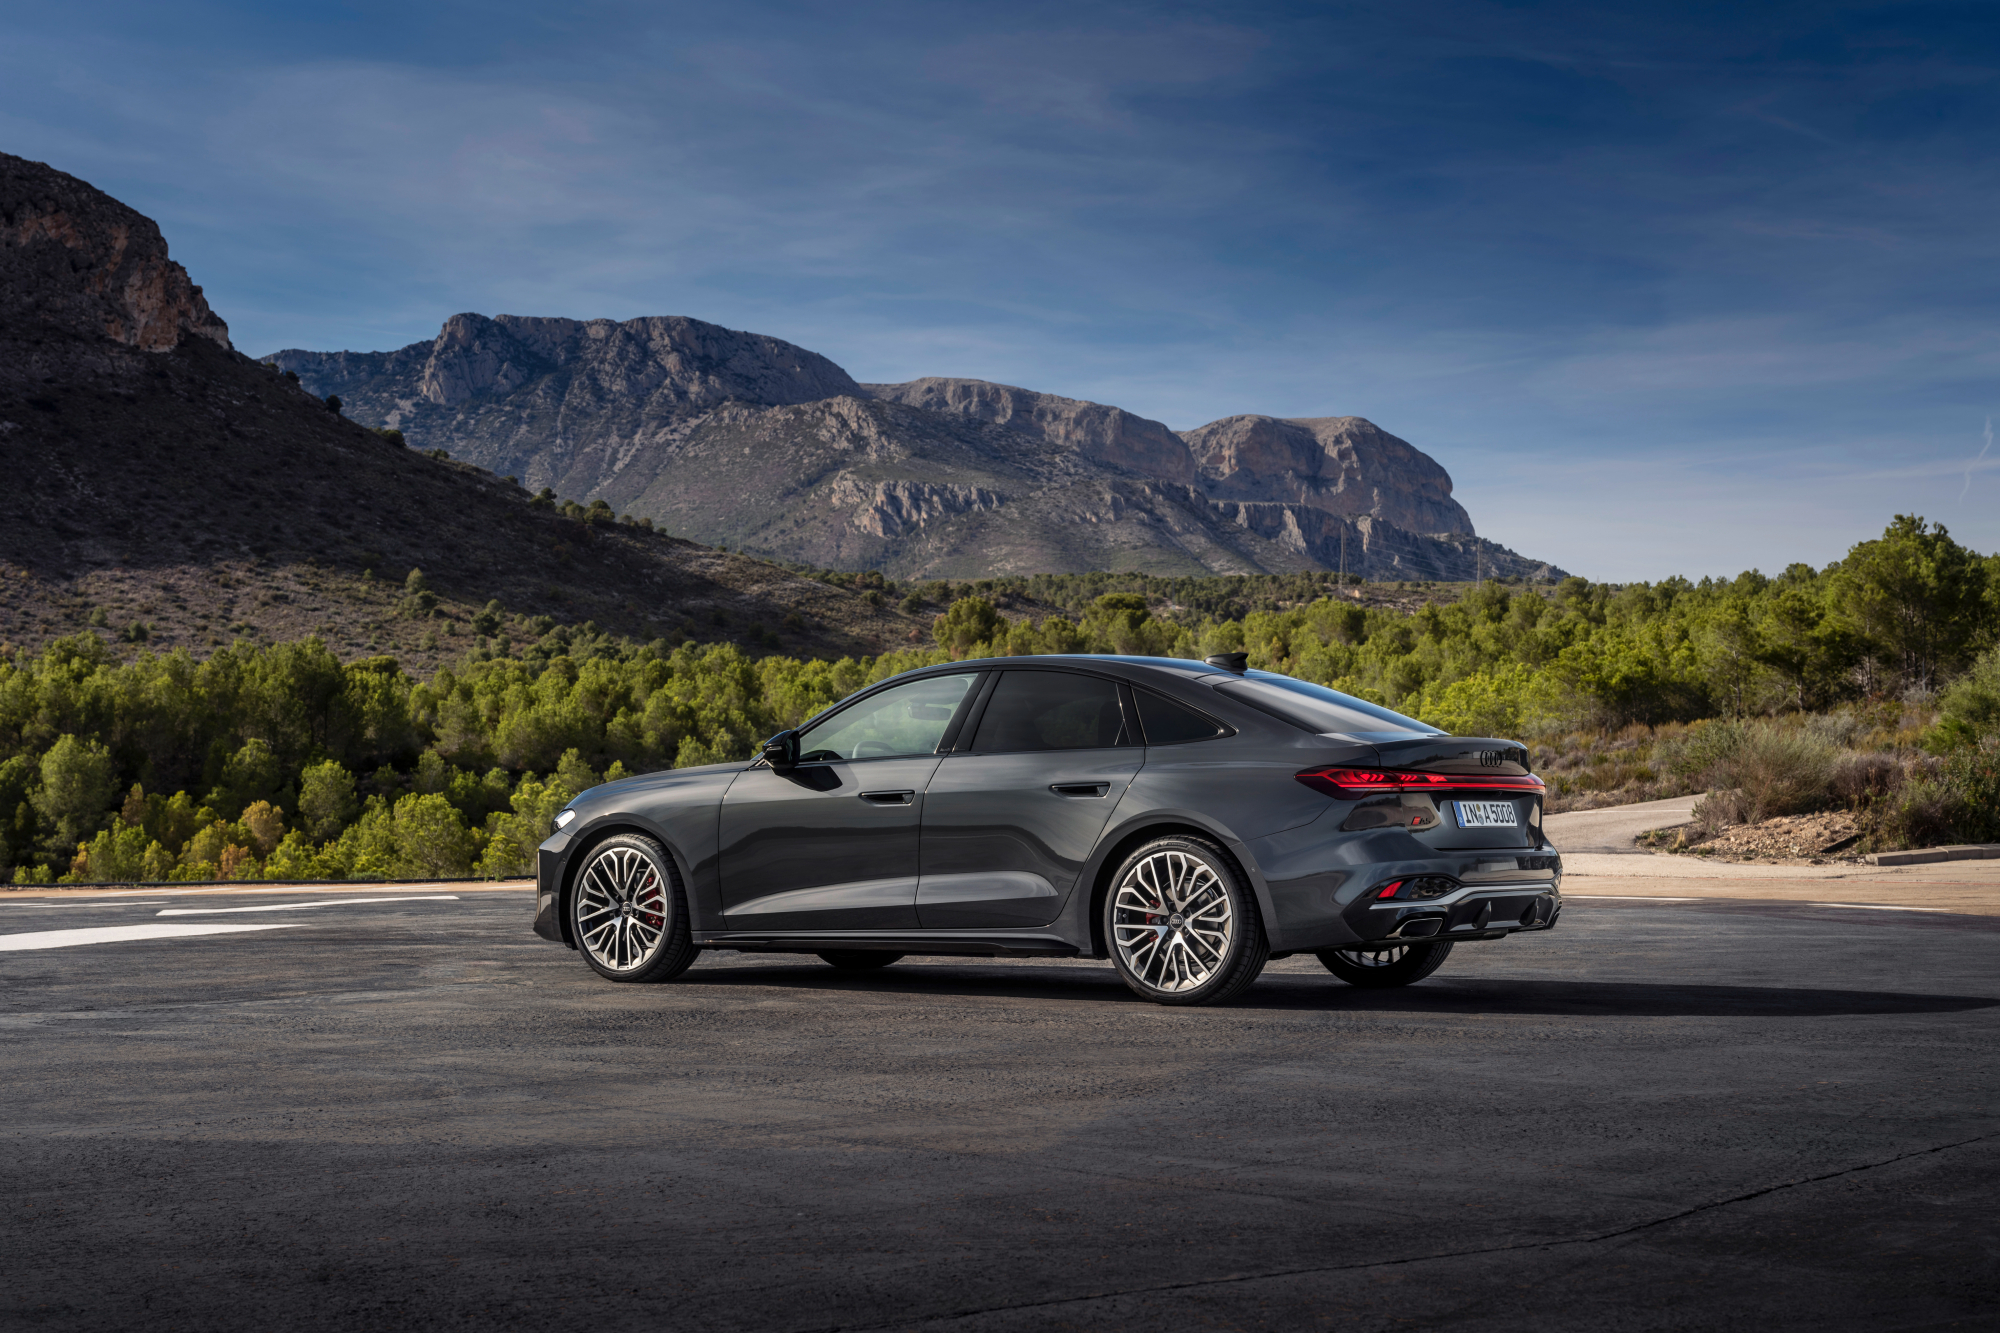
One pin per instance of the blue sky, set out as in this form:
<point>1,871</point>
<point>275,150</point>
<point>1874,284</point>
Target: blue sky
<point>1668,289</point>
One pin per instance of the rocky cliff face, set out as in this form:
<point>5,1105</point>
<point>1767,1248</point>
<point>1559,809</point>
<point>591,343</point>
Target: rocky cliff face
<point>1345,466</point>
<point>1107,435</point>
<point>75,259</point>
<point>731,437</point>
<point>159,480</point>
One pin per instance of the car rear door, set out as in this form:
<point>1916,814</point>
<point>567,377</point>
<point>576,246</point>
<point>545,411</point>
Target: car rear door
<point>1016,808</point>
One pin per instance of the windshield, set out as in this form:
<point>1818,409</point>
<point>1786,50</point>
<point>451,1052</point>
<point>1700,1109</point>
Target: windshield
<point>1318,709</point>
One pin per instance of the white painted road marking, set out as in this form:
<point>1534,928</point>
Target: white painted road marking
<point>1628,897</point>
<point>93,904</point>
<point>151,930</point>
<point>289,907</point>
<point>1881,907</point>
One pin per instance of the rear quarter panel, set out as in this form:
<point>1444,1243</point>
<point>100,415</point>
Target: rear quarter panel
<point>1241,788</point>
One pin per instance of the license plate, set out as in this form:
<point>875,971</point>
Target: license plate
<point>1485,814</point>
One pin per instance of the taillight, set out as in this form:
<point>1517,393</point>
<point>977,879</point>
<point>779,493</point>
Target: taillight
<point>1389,890</point>
<point>1348,784</point>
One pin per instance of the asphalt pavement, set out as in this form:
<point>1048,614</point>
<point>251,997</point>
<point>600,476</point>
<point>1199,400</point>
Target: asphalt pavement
<point>413,1114</point>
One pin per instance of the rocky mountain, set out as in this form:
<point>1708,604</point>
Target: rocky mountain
<point>748,440</point>
<point>172,491</point>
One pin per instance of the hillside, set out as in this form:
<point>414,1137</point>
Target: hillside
<point>733,437</point>
<point>168,490</point>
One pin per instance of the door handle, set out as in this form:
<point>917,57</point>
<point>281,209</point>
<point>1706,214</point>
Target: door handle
<point>888,797</point>
<point>1080,788</point>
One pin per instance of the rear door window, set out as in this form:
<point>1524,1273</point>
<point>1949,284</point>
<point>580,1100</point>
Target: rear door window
<point>1050,710</point>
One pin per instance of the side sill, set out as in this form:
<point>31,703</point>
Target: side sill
<point>974,944</point>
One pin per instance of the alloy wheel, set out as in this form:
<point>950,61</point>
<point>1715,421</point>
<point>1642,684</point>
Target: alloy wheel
<point>622,909</point>
<point>1171,921</point>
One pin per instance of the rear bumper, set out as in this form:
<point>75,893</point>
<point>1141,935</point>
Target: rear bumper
<point>1321,889</point>
<point>1482,912</point>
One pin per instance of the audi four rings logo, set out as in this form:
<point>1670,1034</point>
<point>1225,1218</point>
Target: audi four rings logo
<point>1492,758</point>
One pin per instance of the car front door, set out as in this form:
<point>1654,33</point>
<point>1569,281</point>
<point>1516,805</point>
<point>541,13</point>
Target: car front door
<point>1013,813</point>
<point>831,844</point>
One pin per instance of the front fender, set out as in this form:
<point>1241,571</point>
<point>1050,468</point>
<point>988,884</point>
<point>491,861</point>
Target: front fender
<point>680,811</point>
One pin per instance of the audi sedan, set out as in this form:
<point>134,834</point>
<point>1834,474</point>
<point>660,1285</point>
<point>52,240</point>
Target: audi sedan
<point>1189,821</point>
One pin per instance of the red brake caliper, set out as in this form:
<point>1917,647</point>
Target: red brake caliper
<point>653,919</point>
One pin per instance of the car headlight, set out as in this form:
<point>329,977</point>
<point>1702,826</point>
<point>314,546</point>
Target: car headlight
<point>564,819</point>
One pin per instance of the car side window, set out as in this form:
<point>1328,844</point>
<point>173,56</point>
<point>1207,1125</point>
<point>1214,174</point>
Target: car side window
<point>1050,710</point>
<point>1169,723</point>
<point>906,720</point>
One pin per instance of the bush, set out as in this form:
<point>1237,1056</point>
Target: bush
<point>431,840</point>
<point>969,620</point>
<point>1970,708</point>
<point>265,824</point>
<point>1956,801</point>
<point>1754,771</point>
<point>1859,780</point>
<point>79,782</point>
<point>252,774</point>
<point>326,799</point>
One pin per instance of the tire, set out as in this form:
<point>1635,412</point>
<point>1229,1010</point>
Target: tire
<point>1182,925</point>
<point>859,960</point>
<point>1377,969</point>
<point>628,911</point>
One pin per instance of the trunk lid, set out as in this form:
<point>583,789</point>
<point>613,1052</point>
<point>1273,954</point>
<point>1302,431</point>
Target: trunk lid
<point>1466,813</point>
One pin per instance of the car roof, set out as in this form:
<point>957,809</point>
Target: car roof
<point>1136,668</point>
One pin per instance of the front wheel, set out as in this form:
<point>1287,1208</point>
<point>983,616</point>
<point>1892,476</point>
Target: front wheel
<point>1398,965</point>
<point>1182,924</point>
<point>629,913</point>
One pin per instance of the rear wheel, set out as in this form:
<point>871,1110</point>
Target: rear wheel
<point>1183,925</point>
<point>858,960</point>
<point>629,913</point>
<point>1398,965</point>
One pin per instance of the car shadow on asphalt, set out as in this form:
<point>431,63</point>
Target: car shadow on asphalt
<point>1289,991</point>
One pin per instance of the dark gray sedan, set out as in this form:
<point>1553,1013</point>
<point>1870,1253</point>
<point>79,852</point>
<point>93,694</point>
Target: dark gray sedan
<point>1187,820</point>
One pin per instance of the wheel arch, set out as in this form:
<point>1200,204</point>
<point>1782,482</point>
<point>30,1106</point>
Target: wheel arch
<point>1141,832</point>
<point>595,837</point>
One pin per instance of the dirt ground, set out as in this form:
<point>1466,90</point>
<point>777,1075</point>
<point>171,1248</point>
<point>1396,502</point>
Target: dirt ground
<point>1816,839</point>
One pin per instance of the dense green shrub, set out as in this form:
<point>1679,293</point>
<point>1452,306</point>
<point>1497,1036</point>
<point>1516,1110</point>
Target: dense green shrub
<point>1958,801</point>
<point>1970,708</point>
<point>349,766</point>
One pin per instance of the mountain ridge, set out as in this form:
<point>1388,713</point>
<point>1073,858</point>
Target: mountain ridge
<point>169,489</point>
<point>741,438</point>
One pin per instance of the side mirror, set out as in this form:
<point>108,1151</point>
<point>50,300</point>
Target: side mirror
<point>782,750</point>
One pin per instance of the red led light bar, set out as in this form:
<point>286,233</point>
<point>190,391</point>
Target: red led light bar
<point>1347,784</point>
<point>1389,890</point>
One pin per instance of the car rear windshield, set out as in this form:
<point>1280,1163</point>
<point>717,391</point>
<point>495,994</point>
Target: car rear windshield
<point>1318,709</point>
